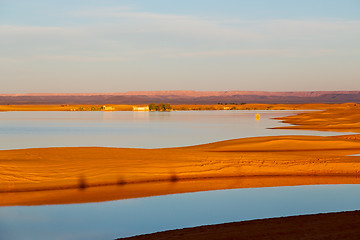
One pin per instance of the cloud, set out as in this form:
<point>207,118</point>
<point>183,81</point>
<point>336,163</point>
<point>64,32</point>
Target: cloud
<point>130,21</point>
<point>311,29</point>
<point>221,28</point>
<point>123,33</point>
<point>79,58</point>
<point>63,58</point>
<point>258,52</point>
<point>14,30</point>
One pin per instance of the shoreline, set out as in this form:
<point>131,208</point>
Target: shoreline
<point>27,173</point>
<point>122,191</point>
<point>335,225</point>
<point>175,107</point>
<point>74,175</point>
<point>67,170</point>
<point>338,120</point>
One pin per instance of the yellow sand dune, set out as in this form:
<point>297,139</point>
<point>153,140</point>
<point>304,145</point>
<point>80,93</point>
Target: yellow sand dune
<point>32,170</point>
<point>65,175</point>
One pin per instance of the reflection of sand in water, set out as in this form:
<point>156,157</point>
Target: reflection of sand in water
<point>136,170</point>
<point>127,173</point>
<point>136,190</point>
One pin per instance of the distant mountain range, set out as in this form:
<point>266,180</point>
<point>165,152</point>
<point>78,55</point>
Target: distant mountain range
<point>182,97</point>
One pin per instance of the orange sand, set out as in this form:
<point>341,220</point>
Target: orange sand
<point>89,174</point>
<point>63,107</point>
<point>78,168</point>
<point>344,119</point>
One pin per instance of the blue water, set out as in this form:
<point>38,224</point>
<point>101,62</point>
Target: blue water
<point>136,129</point>
<point>109,220</point>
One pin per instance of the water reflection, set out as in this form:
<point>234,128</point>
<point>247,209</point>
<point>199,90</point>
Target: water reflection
<point>136,129</point>
<point>108,220</point>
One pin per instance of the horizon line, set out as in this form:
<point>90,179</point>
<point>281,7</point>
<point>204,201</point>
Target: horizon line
<point>174,91</point>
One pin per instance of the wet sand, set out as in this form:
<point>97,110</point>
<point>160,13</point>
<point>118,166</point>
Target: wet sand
<point>146,189</point>
<point>343,225</point>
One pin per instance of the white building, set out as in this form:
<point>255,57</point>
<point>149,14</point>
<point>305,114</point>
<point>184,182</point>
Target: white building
<point>105,108</point>
<point>141,109</point>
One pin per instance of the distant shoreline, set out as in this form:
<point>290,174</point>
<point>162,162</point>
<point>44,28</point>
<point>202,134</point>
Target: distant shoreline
<point>182,97</point>
<point>179,107</point>
<point>67,175</point>
<point>27,173</point>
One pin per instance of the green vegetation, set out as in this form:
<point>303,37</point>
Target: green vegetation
<point>220,103</point>
<point>162,107</point>
<point>88,108</point>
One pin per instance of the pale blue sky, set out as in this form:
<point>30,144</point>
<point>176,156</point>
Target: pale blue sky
<point>126,45</point>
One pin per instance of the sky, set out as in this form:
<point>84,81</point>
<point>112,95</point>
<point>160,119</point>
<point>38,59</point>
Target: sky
<point>87,46</point>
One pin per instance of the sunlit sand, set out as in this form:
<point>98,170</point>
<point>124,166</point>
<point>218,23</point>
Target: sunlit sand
<point>69,175</point>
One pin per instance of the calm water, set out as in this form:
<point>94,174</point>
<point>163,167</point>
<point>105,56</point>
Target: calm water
<point>136,129</point>
<point>109,220</point>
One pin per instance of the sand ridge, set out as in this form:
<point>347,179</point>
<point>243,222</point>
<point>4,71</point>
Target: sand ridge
<point>39,176</point>
<point>344,119</point>
<point>34,170</point>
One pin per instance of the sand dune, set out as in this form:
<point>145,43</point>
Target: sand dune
<point>175,169</point>
<point>346,119</point>
<point>59,175</point>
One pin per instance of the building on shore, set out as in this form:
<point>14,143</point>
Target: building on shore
<point>107,108</point>
<point>141,109</point>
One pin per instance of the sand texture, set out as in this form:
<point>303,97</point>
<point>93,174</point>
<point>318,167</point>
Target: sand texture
<point>176,169</point>
<point>343,225</point>
<point>91,174</point>
<point>343,119</point>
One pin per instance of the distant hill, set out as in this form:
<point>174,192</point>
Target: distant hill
<point>183,97</point>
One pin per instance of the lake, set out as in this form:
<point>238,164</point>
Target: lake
<point>109,220</point>
<point>136,129</point>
